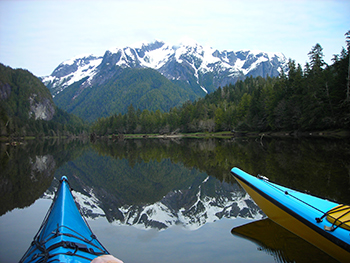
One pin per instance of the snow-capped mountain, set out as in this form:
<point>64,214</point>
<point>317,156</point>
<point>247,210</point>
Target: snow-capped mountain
<point>201,69</point>
<point>189,208</point>
<point>71,71</point>
<point>205,209</point>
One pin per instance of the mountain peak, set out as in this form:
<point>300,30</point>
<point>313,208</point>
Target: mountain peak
<point>77,58</point>
<point>199,69</point>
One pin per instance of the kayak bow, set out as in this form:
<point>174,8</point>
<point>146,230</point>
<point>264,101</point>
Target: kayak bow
<point>321,222</point>
<point>64,236</point>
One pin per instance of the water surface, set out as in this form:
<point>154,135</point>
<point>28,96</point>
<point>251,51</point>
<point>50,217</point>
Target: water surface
<point>167,200</point>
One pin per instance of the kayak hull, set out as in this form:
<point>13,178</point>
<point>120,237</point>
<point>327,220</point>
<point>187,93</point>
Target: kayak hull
<point>64,235</point>
<point>297,212</point>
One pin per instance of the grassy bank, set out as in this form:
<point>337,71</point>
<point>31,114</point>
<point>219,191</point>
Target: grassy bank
<point>226,134</point>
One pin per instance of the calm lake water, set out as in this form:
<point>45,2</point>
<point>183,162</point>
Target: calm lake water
<point>151,200</point>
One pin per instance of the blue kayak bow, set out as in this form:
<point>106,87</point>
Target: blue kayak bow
<point>64,235</point>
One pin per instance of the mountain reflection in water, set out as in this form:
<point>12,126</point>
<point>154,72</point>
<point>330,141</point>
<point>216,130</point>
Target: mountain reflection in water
<point>165,184</point>
<point>154,194</point>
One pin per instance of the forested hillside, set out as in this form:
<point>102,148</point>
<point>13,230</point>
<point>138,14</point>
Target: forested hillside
<point>27,108</point>
<point>144,88</point>
<point>311,98</point>
<point>152,76</point>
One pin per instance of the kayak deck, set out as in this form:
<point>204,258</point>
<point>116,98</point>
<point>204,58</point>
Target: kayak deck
<point>64,235</point>
<point>298,212</point>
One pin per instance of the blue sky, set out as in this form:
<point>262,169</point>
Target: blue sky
<point>39,35</point>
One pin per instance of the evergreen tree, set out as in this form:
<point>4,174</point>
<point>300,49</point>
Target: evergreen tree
<point>131,119</point>
<point>316,59</point>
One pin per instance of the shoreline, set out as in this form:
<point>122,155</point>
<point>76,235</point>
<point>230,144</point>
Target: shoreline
<point>334,134</point>
<point>287,134</point>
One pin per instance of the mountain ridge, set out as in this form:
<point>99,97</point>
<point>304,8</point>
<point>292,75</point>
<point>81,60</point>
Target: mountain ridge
<point>189,208</point>
<point>170,61</point>
<point>96,86</point>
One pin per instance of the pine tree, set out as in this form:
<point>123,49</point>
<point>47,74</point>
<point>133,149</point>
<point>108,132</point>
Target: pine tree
<point>131,119</point>
<point>316,59</point>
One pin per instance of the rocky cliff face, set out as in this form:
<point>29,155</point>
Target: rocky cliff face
<point>24,96</point>
<point>5,91</point>
<point>42,166</point>
<point>41,109</point>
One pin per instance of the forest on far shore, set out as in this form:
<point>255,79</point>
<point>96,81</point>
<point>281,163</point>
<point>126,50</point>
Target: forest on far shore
<point>315,97</point>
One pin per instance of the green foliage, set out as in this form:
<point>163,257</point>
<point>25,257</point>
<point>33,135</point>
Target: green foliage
<point>28,169</point>
<point>310,99</point>
<point>290,162</point>
<point>17,88</point>
<point>143,88</point>
<point>143,171</point>
<point>135,182</point>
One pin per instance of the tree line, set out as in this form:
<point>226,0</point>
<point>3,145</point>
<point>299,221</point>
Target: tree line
<point>315,97</point>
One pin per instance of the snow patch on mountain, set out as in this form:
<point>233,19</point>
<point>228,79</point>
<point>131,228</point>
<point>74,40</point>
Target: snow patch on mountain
<point>71,71</point>
<point>89,205</point>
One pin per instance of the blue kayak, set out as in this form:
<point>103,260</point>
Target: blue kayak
<point>323,223</point>
<point>64,235</point>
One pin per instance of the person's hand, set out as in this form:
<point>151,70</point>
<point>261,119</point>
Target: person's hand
<point>106,259</point>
